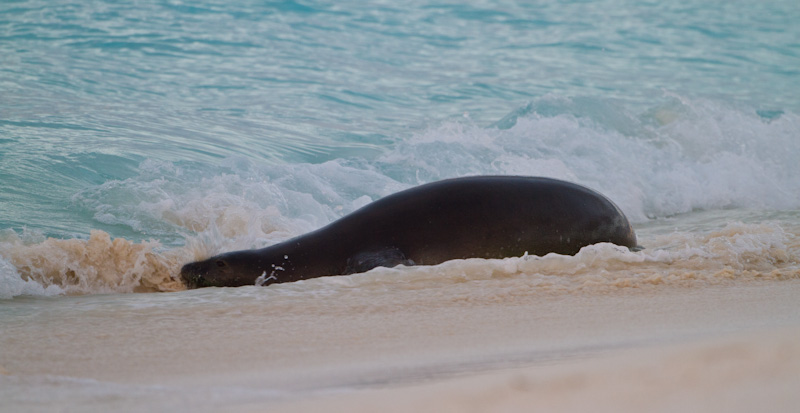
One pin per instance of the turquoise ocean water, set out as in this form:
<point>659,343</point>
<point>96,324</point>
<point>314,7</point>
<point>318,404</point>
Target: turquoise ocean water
<point>138,136</point>
<point>227,125</point>
<point>151,121</point>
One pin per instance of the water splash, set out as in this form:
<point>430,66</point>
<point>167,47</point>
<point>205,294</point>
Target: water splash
<point>96,265</point>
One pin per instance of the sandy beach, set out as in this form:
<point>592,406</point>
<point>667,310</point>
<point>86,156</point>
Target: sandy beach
<point>756,371</point>
<point>728,347</point>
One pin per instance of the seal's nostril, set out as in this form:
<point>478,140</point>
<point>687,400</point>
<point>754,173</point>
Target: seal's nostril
<point>220,263</point>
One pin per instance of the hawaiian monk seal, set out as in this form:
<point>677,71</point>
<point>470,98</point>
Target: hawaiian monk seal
<point>472,217</point>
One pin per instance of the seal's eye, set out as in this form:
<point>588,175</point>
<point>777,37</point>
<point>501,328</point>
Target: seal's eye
<point>221,263</point>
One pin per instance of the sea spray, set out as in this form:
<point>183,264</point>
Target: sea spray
<point>96,265</point>
<point>707,156</point>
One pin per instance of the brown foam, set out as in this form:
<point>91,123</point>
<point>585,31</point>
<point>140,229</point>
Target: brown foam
<point>98,264</point>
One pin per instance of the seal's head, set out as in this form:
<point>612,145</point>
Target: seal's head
<point>221,270</point>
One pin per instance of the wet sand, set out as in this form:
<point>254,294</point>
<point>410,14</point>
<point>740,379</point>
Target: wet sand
<point>756,371</point>
<point>711,348</point>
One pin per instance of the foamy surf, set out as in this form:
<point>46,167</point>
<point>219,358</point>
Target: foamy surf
<point>666,163</point>
<point>702,156</point>
<point>96,265</point>
<point>737,252</point>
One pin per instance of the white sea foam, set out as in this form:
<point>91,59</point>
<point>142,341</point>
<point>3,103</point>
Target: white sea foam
<point>707,155</point>
<point>672,159</point>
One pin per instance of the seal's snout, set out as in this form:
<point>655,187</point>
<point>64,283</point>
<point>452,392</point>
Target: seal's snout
<point>192,276</point>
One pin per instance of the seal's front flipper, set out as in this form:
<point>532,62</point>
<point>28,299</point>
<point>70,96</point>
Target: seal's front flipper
<point>386,257</point>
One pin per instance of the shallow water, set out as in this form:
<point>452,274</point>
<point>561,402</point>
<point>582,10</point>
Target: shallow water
<point>136,138</point>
